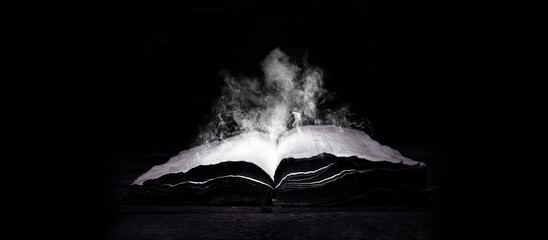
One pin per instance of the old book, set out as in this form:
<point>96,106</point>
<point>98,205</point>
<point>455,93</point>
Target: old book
<point>309,165</point>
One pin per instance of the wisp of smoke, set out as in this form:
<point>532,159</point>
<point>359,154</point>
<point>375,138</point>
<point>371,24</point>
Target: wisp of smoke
<point>288,96</point>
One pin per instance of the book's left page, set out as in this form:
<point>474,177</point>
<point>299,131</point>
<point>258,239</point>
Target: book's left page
<point>236,169</point>
<point>252,147</point>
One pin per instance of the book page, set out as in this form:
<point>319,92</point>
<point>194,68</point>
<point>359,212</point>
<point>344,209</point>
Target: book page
<point>311,140</point>
<point>253,147</point>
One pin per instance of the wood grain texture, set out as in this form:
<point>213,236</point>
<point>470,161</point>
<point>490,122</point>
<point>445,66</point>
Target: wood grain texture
<point>246,225</point>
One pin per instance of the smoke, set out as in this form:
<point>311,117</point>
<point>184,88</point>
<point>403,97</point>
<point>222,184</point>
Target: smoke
<point>288,96</point>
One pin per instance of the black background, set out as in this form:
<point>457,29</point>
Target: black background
<point>149,74</point>
<point>159,62</point>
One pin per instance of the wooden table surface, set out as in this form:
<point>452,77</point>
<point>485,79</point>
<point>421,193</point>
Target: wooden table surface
<point>417,220</point>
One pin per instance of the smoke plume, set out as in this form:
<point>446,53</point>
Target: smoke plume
<point>288,96</point>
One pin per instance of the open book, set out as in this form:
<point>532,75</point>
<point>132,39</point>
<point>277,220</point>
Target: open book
<point>309,165</point>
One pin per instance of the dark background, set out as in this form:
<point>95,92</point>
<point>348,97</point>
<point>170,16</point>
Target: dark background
<point>152,75</point>
<point>392,62</point>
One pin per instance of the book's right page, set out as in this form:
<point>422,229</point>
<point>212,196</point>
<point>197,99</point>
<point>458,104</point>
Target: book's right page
<point>325,165</point>
<point>312,140</point>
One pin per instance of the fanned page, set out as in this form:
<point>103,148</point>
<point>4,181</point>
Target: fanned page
<point>252,147</point>
<point>259,149</point>
<point>312,140</point>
